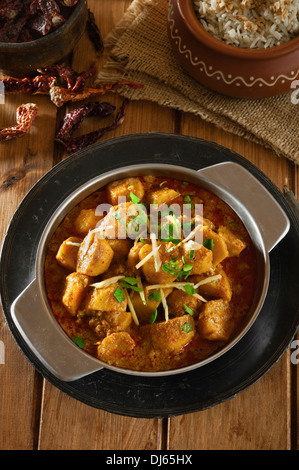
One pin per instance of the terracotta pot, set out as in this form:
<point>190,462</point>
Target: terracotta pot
<point>229,70</point>
<point>20,59</point>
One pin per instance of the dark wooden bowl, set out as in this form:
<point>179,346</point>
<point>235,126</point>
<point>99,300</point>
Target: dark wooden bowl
<point>20,59</point>
<point>229,70</point>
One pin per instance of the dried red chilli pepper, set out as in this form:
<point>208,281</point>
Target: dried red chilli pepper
<point>82,77</point>
<point>51,12</point>
<point>94,33</point>
<point>60,95</point>
<point>75,117</point>
<point>25,115</point>
<point>68,3</point>
<point>11,30</point>
<point>63,71</point>
<point>86,140</point>
<point>74,80</point>
<point>40,84</point>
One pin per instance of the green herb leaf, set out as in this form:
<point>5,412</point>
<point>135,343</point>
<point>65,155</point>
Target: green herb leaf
<point>209,243</point>
<point>170,267</point>
<point>153,316</point>
<point>130,280</point>
<point>188,310</point>
<point>135,199</point>
<point>119,294</point>
<point>187,267</point>
<point>186,327</point>
<point>125,285</point>
<point>156,295</point>
<point>79,342</point>
<point>190,289</point>
<point>191,254</point>
<point>161,184</point>
<point>118,217</point>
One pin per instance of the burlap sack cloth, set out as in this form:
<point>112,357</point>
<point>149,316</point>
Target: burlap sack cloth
<point>139,50</point>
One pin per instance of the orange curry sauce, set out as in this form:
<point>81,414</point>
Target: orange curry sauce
<point>100,319</point>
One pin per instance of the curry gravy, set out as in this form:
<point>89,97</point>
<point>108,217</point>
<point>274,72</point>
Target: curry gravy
<point>145,312</point>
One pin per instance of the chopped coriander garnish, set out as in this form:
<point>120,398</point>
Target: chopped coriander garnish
<point>188,310</point>
<point>79,342</point>
<point>125,285</point>
<point>130,280</point>
<point>190,289</point>
<point>191,254</point>
<point>170,267</point>
<point>153,316</point>
<point>156,295</point>
<point>163,182</point>
<point>119,295</point>
<point>188,200</point>
<point>118,217</point>
<point>209,243</point>
<point>187,327</point>
<point>135,199</point>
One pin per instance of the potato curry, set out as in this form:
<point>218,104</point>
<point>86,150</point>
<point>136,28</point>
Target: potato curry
<point>150,302</point>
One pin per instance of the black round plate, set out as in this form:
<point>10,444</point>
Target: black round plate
<point>147,397</point>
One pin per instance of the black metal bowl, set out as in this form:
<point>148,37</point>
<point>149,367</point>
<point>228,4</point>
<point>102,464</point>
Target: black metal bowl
<point>198,389</point>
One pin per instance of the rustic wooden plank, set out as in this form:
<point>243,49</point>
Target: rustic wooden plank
<point>259,417</point>
<point>63,418</point>
<point>295,370</point>
<point>23,162</point>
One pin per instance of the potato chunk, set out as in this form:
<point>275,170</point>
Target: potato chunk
<point>133,255</point>
<point>220,251</point>
<point>115,346</point>
<point>104,300</point>
<point>85,221</point>
<point>74,291</point>
<point>94,255</point>
<point>174,334</point>
<point>215,321</point>
<point>202,258</point>
<point>234,245</point>
<point>143,310</point>
<point>123,188</point>
<point>171,263</point>
<point>178,300</point>
<point>121,247</point>
<point>161,196</point>
<point>68,252</point>
<point>219,288</point>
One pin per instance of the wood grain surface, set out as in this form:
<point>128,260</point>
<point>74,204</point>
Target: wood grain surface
<point>35,415</point>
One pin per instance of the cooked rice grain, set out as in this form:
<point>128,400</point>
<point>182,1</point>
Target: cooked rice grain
<point>250,24</point>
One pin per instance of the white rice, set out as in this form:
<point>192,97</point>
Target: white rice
<point>250,24</point>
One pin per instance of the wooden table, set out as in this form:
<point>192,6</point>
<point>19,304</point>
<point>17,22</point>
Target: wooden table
<point>36,415</point>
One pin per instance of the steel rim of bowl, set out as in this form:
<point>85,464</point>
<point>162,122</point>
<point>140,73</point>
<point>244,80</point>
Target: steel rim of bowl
<point>97,183</point>
<point>197,30</point>
<point>53,35</point>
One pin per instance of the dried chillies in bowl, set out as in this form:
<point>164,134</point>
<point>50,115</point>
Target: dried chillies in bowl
<point>27,20</point>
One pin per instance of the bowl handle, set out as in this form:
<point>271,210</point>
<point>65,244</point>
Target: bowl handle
<point>248,192</point>
<point>46,339</point>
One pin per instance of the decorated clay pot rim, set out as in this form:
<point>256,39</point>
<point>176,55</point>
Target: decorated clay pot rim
<point>188,14</point>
